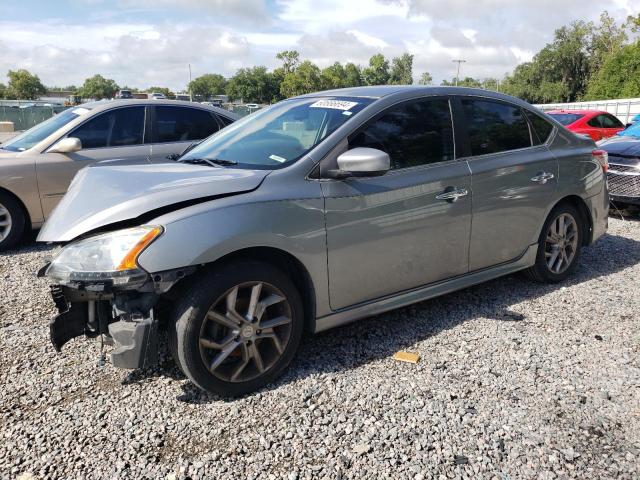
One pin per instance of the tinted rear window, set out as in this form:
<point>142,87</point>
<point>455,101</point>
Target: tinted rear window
<point>566,118</point>
<point>181,124</point>
<point>495,126</point>
<point>541,128</point>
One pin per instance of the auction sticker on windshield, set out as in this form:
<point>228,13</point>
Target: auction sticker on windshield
<point>336,104</point>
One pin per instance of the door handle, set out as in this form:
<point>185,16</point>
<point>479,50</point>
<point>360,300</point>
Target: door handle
<point>451,194</point>
<point>542,177</point>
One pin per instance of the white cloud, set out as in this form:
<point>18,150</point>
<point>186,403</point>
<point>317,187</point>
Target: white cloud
<point>144,42</point>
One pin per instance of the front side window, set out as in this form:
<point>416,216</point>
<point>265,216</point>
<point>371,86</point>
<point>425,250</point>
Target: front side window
<point>114,128</point>
<point>413,133</point>
<point>36,134</point>
<point>279,135</point>
<point>181,124</point>
<point>495,127</point>
<point>609,121</point>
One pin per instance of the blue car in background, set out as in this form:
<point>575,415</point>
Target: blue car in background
<point>624,165</point>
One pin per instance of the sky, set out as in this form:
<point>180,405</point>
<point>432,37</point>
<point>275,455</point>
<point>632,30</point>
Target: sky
<point>142,43</point>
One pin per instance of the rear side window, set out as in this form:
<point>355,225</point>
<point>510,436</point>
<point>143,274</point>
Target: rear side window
<point>412,133</point>
<point>566,118</point>
<point>495,127</point>
<point>595,122</point>
<point>181,124</point>
<point>541,128</point>
<point>115,128</point>
<point>224,120</point>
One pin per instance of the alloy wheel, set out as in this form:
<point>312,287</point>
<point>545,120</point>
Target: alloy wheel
<point>561,243</point>
<point>5,222</point>
<point>245,332</point>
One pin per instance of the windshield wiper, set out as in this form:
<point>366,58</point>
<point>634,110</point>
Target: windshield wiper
<point>214,162</point>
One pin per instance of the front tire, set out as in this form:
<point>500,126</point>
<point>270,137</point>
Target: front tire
<point>237,327</point>
<point>559,245</point>
<point>12,222</point>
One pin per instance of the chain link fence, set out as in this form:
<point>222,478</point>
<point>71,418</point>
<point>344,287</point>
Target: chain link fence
<point>25,114</point>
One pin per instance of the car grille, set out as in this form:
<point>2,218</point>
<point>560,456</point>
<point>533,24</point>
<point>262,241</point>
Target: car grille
<point>624,180</point>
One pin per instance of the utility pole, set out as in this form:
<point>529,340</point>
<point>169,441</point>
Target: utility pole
<point>458,61</point>
<point>190,95</point>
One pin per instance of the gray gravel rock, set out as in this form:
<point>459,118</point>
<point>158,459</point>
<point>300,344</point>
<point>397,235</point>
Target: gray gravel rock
<point>516,380</point>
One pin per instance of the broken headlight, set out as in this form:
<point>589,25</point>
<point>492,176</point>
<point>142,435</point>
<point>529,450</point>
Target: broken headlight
<point>108,257</point>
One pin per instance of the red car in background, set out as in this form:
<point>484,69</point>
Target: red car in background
<point>595,123</point>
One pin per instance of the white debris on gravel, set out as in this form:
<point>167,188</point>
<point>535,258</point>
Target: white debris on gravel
<point>516,380</point>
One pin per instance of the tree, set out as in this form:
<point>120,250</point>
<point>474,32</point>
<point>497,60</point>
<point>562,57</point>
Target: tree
<point>24,85</point>
<point>207,85</point>
<point>425,79</point>
<point>352,75</point>
<point>463,82</point>
<point>402,70</point>
<point>290,60</point>
<point>3,90</point>
<point>334,76</point>
<point>377,73</point>
<point>606,39</point>
<point>163,90</point>
<point>98,87</point>
<point>254,85</point>
<point>304,79</point>
<point>619,77</point>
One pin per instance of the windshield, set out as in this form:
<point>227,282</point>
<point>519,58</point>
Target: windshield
<point>566,118</point>
<point>36,134</point>
<point>632,130</point>
<point>279,135</point>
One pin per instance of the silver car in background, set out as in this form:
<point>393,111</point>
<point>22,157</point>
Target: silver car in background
<point>312,213</point>
<point>37,166</point>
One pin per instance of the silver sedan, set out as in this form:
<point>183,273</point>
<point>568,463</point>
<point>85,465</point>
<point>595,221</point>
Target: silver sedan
<point>37,166</point>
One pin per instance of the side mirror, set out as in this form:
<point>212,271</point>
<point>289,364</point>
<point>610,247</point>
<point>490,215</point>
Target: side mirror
<point>67,145</point>
<point>361,162</point>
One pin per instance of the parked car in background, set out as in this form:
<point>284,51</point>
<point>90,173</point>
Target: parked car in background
<point>314,212</point>
<point>157,96</point>
<point>624,166</point>
<point>124,94</point>
<point>595,123</point>
<point>37,166</point>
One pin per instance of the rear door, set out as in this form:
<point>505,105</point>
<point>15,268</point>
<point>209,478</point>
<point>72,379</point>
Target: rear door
<point>111,135</point>
<point>403,229</point>
<point>174,128</point>
<point>513,179</point>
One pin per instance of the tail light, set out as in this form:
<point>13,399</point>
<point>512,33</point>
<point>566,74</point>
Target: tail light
<point>603,159</point>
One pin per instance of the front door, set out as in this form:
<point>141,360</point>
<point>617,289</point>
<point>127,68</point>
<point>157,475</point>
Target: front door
<point>111,135</point>
<point>513,176</point>
<point>404,229</point>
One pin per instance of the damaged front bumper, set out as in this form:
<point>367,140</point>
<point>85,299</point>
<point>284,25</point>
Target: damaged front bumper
<point>125,318</point>
<point>134,335</point>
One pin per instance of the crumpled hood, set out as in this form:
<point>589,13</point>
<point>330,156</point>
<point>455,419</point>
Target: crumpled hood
<point>107,193</point>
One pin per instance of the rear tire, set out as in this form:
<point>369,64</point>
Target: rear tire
<point>12,221</point>
<point>237,327</point>
<point>559,245</point>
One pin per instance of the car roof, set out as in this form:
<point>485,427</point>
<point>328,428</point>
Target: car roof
<point>101,105</point>
<point>577,112</point>
<point>381,91</point>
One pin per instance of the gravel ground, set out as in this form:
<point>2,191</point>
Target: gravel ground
<point>516,380</point>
